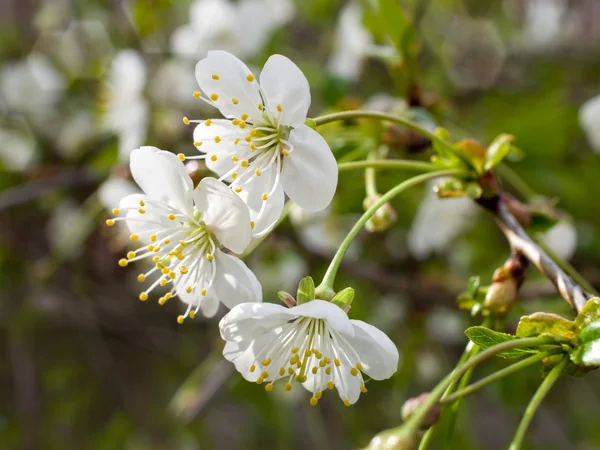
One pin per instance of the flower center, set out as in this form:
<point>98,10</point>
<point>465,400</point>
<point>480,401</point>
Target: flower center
<point>307,350</point>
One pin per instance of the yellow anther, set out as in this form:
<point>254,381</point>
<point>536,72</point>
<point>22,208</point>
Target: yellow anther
<point>110,222</point>
<point>143,297</point>
<point>353,371</point>
<point>156,249</point>
<point>330,385</point>
<point>248,138</point>
<point>245,163</point>
<point>265,375</point>
<point>165,270</point>
<point>162,301</point>
<point>257,172</point>
<point>134,237</point>
<point>359,366</point>
<point>337,362</point>
<point>244,116</point>
<point>208,122</point>
<point>295,350</point>
<point>235,158</point>
<point>315,370</point>
<point>183,270</point>
<point>155,258</point>
<point>213,158</point>
<point>116,211</point>
<point>318,394</point>
<point>234,175</point>
<point>328,371</point>
<point>363,389</point>
<point>242,125</point>
<point>313,401</point>
<point>252,224</point>
<point>269,387</point>
<point>260,106</point>
<point>215,76</point>
<point>198,144</point>
<point>186,121</point>
<point>141,278</point>
<point>279,108</point>
<point>130,255</point>
<point>197,94</point>
<point>235,141</point>
<point>327,360</point>
<point>182,243</point>
<point>217,139</point>
<point>210,257</point>
<point>153,238</point>
<point>307,353</point>
<point>123,262</point>
<point>346,402</point>
<point>163,282</point>
<point>188,289</point>
<point>168,295</point>
<point>281,371</point>
<point>180,257</point>
<point>142,203</point>
<point>259,380</point>
<point>253,133</point>
<point>214,97</point>
<point>322,363</point>
<point>265,196</point>
<point>167,241</point>
<point>252,146</point>
<point>192,314</point>
<point>235,101</point>
<point>252,368</point>
<point>141,211</point>
<point>318,354</point>
<point>266,361</point>
<point>250,77</point>
<point>235,122</point>
<point>172,216</point>
<point>237,189</point>
<point>150,248</point>
<point>288,387</point>
<point>180,319</point>
<point>172,275</point>
<point>290,371</point>
<point>285,152</point>
<point>181,156</point>
<point>203,291</point>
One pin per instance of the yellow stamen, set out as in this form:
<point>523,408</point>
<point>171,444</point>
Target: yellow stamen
<point>110,222</point>
<point>330,385</point>
<point>210,257</point>
<point>266,362</point>
<point>203,291</point>
<point>217,139</point>
<point>265,196</point>
<point>260,106</point>
<point>181,156</point>
<point>215,76</point>
<point>130,255</point>
<point>237,189</point>
<point>172,216</point>
<point>285,152</point>
<point>123,262</point>
<point>250,78</point>
<point>279,108</point>
<point>214,97</point>
<point>346,402</point>
<point>186,121</point>
<point>116,211</point>
<point>141,278</point>
<point>353,372</point>
<point>180,319</point>
<point>188,289</point>
<point>318,394</point>
<point>252,224</point>
<point>269,387</point>
<point>313,401</point>
<point>208,122</point>
<point>134,237</point>
<point>252,368</point>
<point>257,172</point>
<point>244,116</point>
<point>363,389</point>
<point>143,297</point>
<point>235,101</point>
<point>197,94</point>
<point>245,163</point>
<point>192,314</point>
<point>288,387</point>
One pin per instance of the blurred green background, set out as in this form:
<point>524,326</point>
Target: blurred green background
<point>85,365</point>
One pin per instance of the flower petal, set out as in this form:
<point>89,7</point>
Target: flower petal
<point>309,174</point>
<point>209,305</point>
<point>320,309</point>
<point>229,84</point>
<point>245,353</point>
<point>234,282</point>
<point>162,177</point>
<point>142,225</point>
<point>218,136</point>
<point>225,214</point>
<point>378,354</point>
<point>284,85</point>
<point>249,320</point>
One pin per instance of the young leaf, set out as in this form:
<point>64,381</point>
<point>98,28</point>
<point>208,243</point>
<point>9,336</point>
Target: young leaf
<point>497,151</point>
<point>473,286</point>
<point>306,290</point>
<point>545,323</point>
<point>485,338</point>
<point>587,352</point>
<point>589,313</point>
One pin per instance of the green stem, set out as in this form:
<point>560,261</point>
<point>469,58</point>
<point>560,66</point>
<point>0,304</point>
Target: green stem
<point>347,115</point>
<point>418,166</point>
<point>463,392</point>
<point>535,402</point>
<point>326,287</point>
<point>566,266</point>
<point>414,422</point>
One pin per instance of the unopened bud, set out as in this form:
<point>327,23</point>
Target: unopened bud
<point>394,440</point>
<point>383,218</point>
<point>412,404</point>
<point>501,295</point>
<point>287,299</point>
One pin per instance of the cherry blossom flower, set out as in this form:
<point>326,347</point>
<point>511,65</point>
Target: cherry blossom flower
<point>183,231</point>
<point>263,148</point>
<point>314,344</point>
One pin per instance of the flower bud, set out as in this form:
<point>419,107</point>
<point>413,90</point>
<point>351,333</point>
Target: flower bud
<point>286,299</point>
<point>394,440</point>
<point>344,298</point>
<point>501,295</point>
<point>412,404</point>
<point>383,218</point>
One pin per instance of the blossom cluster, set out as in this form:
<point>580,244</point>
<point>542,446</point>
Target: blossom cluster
<point>261,151</point>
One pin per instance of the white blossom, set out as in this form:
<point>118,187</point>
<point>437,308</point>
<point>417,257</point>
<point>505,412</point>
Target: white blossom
<point>589,119</point>
<point>562,239</point>
<point>183,231</point>
<point>314,344</point>
<point>263,148</point>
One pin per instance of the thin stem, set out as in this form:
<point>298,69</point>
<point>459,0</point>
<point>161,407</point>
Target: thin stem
<point>388,164</point>
<point>370,181</point>
<point>535,402</point>
<point>327,283</point>
<point>516,181</point>
<point>459,394</point>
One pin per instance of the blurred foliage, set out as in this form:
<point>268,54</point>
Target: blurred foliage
<point>88,366</point>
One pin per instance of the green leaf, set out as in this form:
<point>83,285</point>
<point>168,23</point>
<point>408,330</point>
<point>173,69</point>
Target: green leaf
<point>498,150</point>
<point>473,286</point>
<point>395,23</point>
<point>485,338</point>
<point>545,323</point>
<point>587,352</point>
<point>590,313</point>
<point>306,290</point>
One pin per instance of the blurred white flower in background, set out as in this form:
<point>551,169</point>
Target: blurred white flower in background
<point>589,119</point>
<point>127,113</point>
<point>173,83</point>
<point>437,222</point>
<point>18,151</point>
<point>561,239</point>
<point>241,28</point>
<point>544,21</point>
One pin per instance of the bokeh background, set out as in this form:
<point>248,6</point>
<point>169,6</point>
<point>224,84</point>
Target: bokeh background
<point>85,365</point>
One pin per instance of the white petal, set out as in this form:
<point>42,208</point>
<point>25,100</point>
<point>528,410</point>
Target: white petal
<point>162,176</point>
<point>249,320</point>
<point>143,225</point>
<point>244,353</point>
<point>225,214</point>
<point>284,84</point>
<point>320,309</point>
<point>209,305</point>
<point>589,119</point>
<point>347,385</point>
<point>309,174</point>
<point>235,283</point>
<point>224,130</point>
<point>231,86</point>
<point>378,354</point>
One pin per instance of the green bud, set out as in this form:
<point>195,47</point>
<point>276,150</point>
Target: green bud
<point>344,298</point>
<point>311,123</point>
<point>306,290</point>
<point>501,295</point>
<point>287,299</point>
<point>383,218</point>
